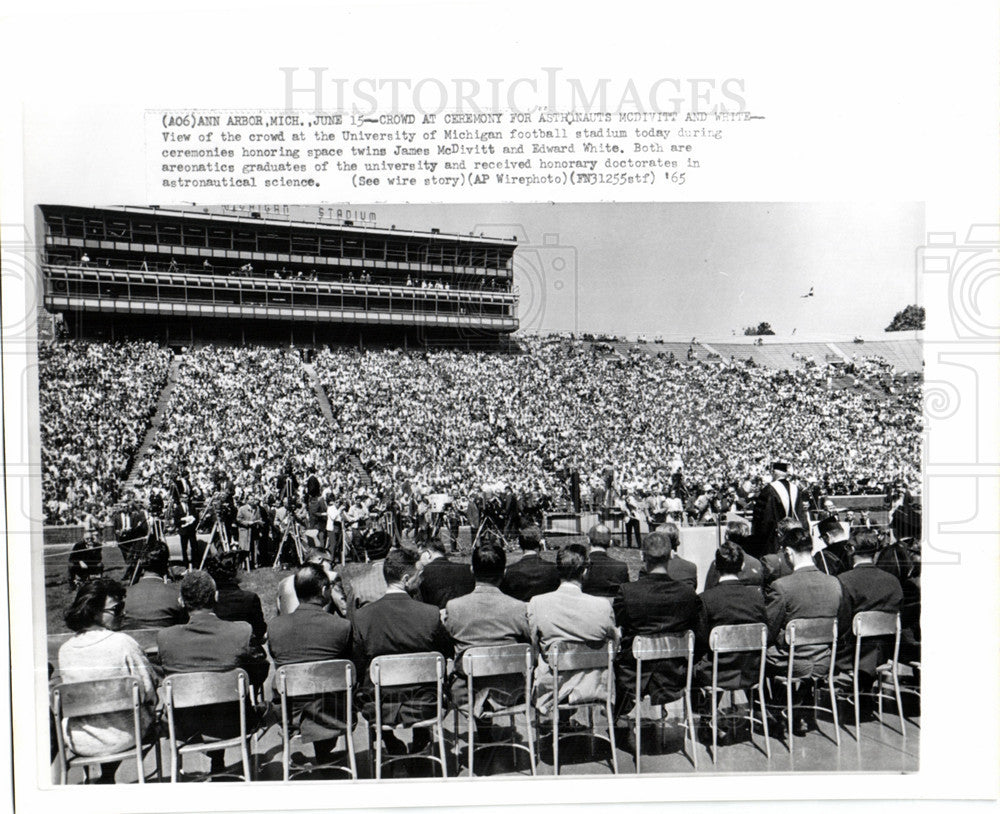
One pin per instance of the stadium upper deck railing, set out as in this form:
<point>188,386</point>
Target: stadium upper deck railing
<point>81,287</point>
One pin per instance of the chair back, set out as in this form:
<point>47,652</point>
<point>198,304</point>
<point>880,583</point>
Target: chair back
<point>184,690</point>
<point>313,678</point>
<point>800,632</point>
<point>406,668</point>
<point>96,697</point>
<point>738,638</point>
<point>666,646</point>
<point>876,623</point>
<point>497,660</point>
<point>565,656</point>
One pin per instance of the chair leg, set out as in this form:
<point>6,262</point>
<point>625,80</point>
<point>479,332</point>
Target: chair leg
<point>857,708</point>
<point>715,727</point>
<point>439,731</point>
<point>472,744</point>
<point>611,731</point>
<point>789,724</point>
<point>378,755</point>
<point>286,755</point>
<point>351,758</point>
<point>899,698</point>
<point>245,760</point>
<point>833,709</point>
<point>555,735</point>
<point>529,730</point>
<point>638,739</point>
<point>763,718</point>
<point>690,730</point>
<point>175,759</point>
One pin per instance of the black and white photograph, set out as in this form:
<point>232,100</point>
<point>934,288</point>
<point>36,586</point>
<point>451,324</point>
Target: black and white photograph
<point>430,491</point>
<point>453,406</point>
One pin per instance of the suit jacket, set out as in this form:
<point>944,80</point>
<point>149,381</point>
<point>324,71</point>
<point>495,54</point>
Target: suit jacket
<point>529,577</point>
<point>487,616</point>
<point>396,623</point>
<point>130,526</point>
<point>806,593</point>
<point>605,575</point>
<point>569,615</point>
<point>752,573</point>
<point>867,588</point>
<point>310,633</point>
<point>681,570</point>
<point>236,605</point>
<point>210,644</point>
<point>731,603</point>
<point>151,602</point>
<point>655,604</point>
<point>441,580</point>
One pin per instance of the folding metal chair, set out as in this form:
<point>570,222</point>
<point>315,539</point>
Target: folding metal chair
<point>397,671</point>
<point>190,690</point>
<point>750,638</point>
<point>491,662</point>
<point>664,648</point>
<point>294,681</point>
<point>571,657</point>
<point>102,697</point>
<point>803,633</point>
<point>877,623</point>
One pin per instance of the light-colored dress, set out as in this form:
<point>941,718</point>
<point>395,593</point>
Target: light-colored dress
<point>93,655</point>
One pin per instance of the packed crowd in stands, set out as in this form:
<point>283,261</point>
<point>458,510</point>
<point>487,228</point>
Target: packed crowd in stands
<point>242,412</point>
<point>95,404</point>
<point>562,423</point>
<point>451,420</point>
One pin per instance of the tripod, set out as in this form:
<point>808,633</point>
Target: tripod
<point>219,530</point>
<point>293,532</point>
<point>489,528</point>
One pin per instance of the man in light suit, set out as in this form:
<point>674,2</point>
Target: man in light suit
<point>487,616</point>
<point>567,614</point>
<point>604,574</point>
<point>806,593</point>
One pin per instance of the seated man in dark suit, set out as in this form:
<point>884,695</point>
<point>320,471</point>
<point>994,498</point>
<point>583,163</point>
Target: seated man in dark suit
<point>311,633</point>
<point>775,566</point>
<point>752,572</point>
<point>440,578</point>
<point>866,588</point>
<point>286,600</point>
<point>233,604</point>
<point>806,593</point>
<point>397,623</point>
<point>152,601</point>
<point>679,569</point>
<point>605,574</point>
<point>730,602</point>
<point>531,575</point>
<point>834,558</point>
<point>206,644</point>
<point>652,605</point>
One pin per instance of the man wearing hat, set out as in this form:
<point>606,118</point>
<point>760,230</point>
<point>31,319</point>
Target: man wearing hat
<point>866,588</point>
<point>777,500</point>
<point>605,574</point>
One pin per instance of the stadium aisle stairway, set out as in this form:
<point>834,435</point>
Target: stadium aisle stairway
<point>154,424</point>
<point>327,410</point>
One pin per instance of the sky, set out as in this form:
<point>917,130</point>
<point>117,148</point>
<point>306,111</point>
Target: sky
<point>696,269</point>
